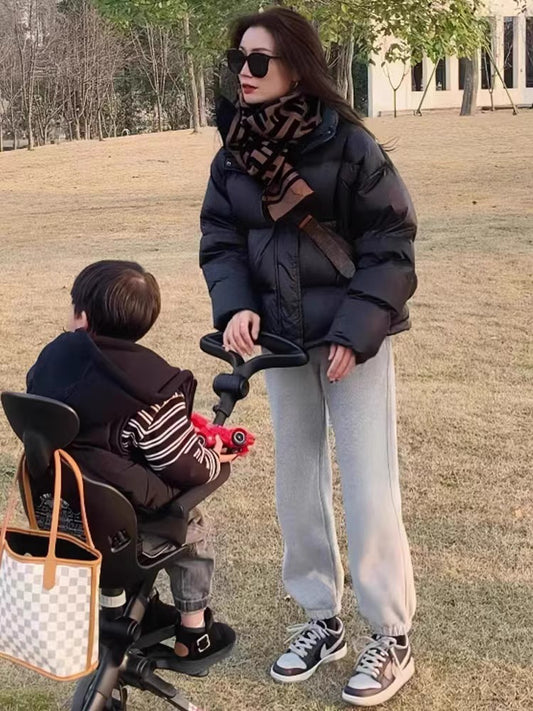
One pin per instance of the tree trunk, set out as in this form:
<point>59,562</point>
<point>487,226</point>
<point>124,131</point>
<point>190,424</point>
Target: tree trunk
<point>349,69</point>
<point>469,104</point>
<point>418,111</point>
<point>337,62</point>
<point>496,69</point>
<point>201,98</point>
<point>159,114</point>
<point>195,113</point>
<point>29,129</point>
<point>99,123</point>
<point>13,126</point>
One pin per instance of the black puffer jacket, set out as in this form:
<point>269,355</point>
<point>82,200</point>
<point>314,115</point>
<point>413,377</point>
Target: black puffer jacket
<point>274,269</point>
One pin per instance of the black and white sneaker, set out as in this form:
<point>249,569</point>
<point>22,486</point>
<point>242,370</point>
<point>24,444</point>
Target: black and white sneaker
<point>383,666</point>
<point>313,643</point>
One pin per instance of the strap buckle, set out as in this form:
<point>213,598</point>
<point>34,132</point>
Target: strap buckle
<point>203,643</point>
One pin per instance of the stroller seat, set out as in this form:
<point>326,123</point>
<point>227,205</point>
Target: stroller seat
<point>134,549</point>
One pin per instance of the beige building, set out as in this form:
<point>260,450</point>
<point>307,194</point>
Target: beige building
<point>512,46</point>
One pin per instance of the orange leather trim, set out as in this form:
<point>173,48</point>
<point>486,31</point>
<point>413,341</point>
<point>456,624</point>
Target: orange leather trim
<point>27,493</point>
<point>11,503</point>
<point>73,677</point>
<point>50,564</point>
<point>79,479</point>
<point>92,614</point>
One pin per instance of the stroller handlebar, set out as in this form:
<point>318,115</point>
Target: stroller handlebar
<point>282,353</point>
<point>234,386</point>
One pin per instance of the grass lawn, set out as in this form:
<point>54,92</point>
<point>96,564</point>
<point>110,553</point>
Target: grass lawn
<point>464,396</point>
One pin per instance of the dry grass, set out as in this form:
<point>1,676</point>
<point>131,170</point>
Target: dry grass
<point>465,395</point>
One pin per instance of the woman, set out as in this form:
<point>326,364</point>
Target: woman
<point>300,194</point>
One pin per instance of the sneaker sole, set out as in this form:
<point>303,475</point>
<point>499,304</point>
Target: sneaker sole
<point>385,695</point>
<point>334,657</point>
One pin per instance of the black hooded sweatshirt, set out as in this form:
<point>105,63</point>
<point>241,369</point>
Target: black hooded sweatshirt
<point>107,381</point>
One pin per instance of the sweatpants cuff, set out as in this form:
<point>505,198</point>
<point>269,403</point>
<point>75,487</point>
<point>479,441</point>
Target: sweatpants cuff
<point>392,630</point>
<point>324,614</point>
<point>191,605</point>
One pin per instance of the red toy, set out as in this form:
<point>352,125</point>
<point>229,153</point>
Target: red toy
<point>236,440</point>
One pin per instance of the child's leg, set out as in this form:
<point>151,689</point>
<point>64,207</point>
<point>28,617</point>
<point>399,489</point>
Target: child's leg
<point>199,639</point>
<point>191,574</point>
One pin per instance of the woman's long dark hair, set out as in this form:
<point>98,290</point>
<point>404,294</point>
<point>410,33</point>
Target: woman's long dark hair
<point>298,44</point>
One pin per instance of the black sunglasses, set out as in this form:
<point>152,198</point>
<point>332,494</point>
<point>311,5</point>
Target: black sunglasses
<point>257,62</point>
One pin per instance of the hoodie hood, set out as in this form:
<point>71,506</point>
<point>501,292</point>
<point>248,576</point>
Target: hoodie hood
<point>105,379</point>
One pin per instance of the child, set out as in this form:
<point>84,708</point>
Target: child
<point>135,430</point>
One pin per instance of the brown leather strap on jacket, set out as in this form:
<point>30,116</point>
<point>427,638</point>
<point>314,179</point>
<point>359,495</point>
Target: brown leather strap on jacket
<point>330,244</point>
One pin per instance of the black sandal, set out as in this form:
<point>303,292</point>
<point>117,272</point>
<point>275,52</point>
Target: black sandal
<point>203,648</point>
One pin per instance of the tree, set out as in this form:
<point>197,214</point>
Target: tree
<point>31,24</point>
<point>434,30</point>
<point>406,29</point>
<point>157,21</point>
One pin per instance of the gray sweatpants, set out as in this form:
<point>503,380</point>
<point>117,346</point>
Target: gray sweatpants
<point>362,412</point>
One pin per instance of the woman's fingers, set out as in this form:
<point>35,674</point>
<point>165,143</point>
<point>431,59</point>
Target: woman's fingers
<point>334,363</point>
<point>346,366</point>
<point>231,334</point>
<point>342,361</point>
<point>241,332</point>
<point>227,337</point>
<point>256,323</point>
<point>246,340</point>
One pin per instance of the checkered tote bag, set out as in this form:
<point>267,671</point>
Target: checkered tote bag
<point>49,588</point>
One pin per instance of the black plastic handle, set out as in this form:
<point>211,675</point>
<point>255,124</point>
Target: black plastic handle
<point>283,353</point>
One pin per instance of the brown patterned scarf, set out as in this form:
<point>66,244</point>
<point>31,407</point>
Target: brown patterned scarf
<point>260,138</point>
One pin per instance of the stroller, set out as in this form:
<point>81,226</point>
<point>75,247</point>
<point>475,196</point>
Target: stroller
<point>130,653</point>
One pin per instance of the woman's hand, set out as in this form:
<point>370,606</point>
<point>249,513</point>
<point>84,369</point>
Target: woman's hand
<point>342,361</point>
<point>241,332</point>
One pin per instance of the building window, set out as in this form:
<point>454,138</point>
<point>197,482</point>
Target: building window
<point>417,77</point>
<point>487,70</point>
<point>462,71</point>
<point>508,51</point>
<point>529,52</point>
<point>441,79</point>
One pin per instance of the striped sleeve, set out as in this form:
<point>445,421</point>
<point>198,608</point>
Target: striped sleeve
<point>167,440</point>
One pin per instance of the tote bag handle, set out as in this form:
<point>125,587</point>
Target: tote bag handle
<point>51,560</point>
